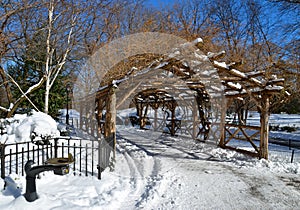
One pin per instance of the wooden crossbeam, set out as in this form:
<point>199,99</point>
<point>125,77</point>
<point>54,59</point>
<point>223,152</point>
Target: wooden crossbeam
<point>231,79</point>
<point>276,82</point>
<point>250,140</point>
<point>255,74</point>
<point>242,128</point>
<point>232,135</point>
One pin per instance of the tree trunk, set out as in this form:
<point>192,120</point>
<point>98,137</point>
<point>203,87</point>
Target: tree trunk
<point>6,85</point>
<point>47,92</point>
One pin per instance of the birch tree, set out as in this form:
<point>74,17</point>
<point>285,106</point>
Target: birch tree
<point>58,45</point>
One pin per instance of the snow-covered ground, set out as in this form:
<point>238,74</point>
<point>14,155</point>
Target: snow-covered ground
<point>157,171</point>
<point>280,121</point>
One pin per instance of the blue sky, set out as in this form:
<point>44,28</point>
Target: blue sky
<point>158,3</point>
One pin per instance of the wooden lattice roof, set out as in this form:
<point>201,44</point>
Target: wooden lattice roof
<point>192,70</point>
<point>187,72</point>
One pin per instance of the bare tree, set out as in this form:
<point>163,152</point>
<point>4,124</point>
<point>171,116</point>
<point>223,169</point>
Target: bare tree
<point>9,37</point>
<point>45,33</point>
<point>287,1</point>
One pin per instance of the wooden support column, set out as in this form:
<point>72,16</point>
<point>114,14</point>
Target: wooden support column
<point>264,123</point>
<point>110,121</point>
<point>155,119</point>
<point>222,125</point>
<point>173,118</point>
<point>99,131</point>
<point>195,120</point>
<point>99,118</point>
<point>139,111</point>
<point>144,117</point>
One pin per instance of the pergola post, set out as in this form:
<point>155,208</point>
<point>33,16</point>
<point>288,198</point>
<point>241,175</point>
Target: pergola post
<point>264,130</point>
<point>173,117</point>
<point>222,126</point>
<point>195,120</point>
<point>110,120</point>
<point>144,117</point>
<point>139,111</point>
<point>155,119</point>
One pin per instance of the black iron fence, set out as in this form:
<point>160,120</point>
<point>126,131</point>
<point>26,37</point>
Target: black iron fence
<point>88,125</point>
<point>288,156</point>
<point>285,150</point>
<point>85,152</point>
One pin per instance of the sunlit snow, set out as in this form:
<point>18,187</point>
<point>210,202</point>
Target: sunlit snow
<point>156,171</point>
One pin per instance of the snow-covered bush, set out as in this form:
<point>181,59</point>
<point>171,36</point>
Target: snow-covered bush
<point>35,126</point>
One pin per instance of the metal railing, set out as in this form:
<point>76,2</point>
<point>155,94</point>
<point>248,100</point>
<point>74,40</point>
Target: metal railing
<point>85,152</point>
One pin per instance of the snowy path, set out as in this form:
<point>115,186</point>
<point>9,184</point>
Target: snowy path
<point>173,175</point>
<point>156,171</point>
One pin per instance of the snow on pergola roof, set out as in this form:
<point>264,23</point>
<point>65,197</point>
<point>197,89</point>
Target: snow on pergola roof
<point>193,69</point>
<point>256,82</point>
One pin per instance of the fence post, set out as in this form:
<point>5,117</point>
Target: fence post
<point>86,160</point>
<point>292,158</point>
<point>55,147</point>
<point>99,159</point>
<point>2,156</point>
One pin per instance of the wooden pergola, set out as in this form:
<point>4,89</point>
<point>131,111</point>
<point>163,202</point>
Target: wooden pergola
<point>169,81</point>
<point>260,88</point>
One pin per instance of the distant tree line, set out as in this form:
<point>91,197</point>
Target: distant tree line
<point>43,42</point>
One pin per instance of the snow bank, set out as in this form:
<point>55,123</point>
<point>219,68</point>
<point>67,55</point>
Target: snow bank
<point>72,113</point>
<point>275,163</point>
<point>25,128</point>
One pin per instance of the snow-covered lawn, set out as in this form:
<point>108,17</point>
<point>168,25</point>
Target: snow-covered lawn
<point>156,171</point>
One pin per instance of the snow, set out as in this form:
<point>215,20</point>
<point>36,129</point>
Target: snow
<point>198,40</point>
<point>235,85</point>
<point>201,57</point>
<point>221,64</point>
<point>214,55</point>
<point>238,73</point>
<point>24,128</point>
<point>254,73</point>
<point>161,65</point>
<point>174,54</point>
<point>157,171</point>
<point>72,113</point>
<point>287,93</point>
<point>269,87</point>
<point>115,83</point>
<point>256,81</point>
<point>232,93</point>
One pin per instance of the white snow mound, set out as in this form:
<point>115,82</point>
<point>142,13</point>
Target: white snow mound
<point>24,127</point>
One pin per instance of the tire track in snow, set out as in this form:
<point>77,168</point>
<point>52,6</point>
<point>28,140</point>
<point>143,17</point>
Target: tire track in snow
<point>152,186</point>
<point>144,168</point>
<point>136,184</point>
